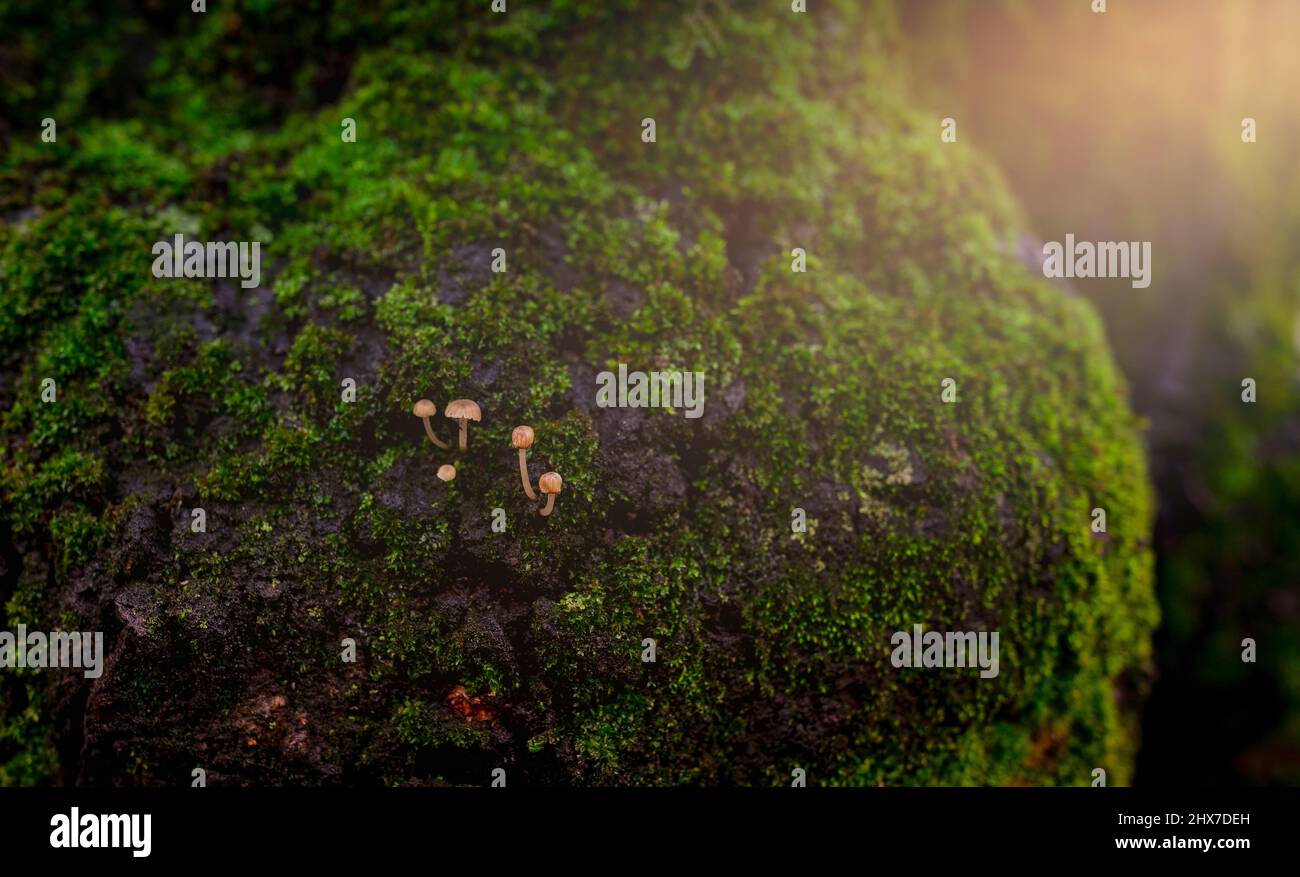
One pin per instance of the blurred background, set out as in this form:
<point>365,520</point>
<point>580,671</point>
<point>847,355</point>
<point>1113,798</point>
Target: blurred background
<point>1125,126</point>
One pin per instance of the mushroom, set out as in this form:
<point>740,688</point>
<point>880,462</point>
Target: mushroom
<point>463,411</point>
<point>522,438</point>
<point>446,472</point>
<point>550,485</point>
<point>424,409</point>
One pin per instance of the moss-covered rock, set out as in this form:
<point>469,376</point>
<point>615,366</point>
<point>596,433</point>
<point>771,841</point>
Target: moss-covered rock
<point>522,649</point>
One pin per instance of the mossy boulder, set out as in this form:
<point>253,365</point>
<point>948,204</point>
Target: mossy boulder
<point>478,649</point>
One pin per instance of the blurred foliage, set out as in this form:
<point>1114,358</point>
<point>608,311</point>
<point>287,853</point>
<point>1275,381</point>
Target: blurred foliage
<point>1127,126</point>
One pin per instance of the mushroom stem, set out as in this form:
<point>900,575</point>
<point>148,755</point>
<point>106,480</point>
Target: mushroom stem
<point>428,429</point>
<point>523,475</point>
<point>464,434</point>
<point>550,505</point>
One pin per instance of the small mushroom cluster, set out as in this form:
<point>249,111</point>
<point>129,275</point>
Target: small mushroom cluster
<point>460,410</point>
<point>550,484</point>
<point>463,411</point>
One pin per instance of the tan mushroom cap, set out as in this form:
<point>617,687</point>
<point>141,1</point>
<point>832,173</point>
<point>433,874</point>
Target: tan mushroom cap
<point>463,409</point>
<point>424,408</point>
<point>446,472</point>
<point>522,437</point>
<point>550,483</point>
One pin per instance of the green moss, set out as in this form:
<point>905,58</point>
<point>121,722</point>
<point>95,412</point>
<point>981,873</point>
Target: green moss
<point>26,739</point>
<point>422,724</point>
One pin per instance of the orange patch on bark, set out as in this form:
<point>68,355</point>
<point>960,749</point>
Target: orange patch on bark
<point>472,709</point>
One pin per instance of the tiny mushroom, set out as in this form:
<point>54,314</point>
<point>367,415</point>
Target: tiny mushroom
<point>446,472</point>
<point>463,411</point>
<point>424,409</point>
<point>522,438</point>
<point>550,485</point>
